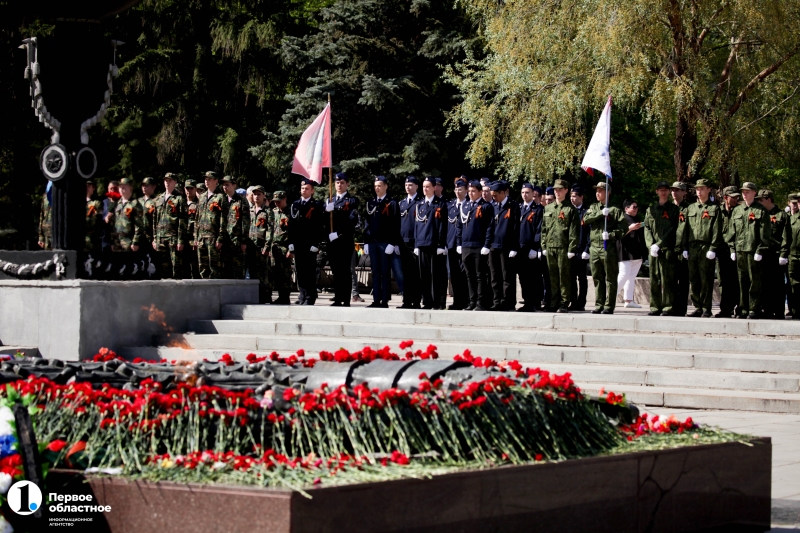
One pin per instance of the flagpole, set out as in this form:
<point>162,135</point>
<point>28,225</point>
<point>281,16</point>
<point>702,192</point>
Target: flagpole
<point>330,171</point>
<point>605,221</point>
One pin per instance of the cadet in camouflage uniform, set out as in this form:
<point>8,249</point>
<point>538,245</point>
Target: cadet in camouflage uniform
<point>680,301</point>
<point>794,262</point>
<point>776,259</point>
<point>171,220</point>
<point>209,234</point>
<point>748,238</point>
<point>702,236</point>
<point>148,205</point>
<point>603,254</point>
<point>728,278</point>
<point>46,223</point>
<point>260,236</point>
<point>127,233</point>
<point>234,245</point>
<point>560,243</point>
<point>94,221</point>
<point>280,257</point>
<point>191,267</point>
<point>660,229</point>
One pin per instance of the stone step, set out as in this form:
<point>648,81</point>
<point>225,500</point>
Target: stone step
<point>581,321</point>
<point>491,334</point>
<point>28,351</point>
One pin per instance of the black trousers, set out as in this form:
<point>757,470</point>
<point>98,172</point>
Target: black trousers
<point>728,282</point>
<point>530,279</point>
<point>681,300</point>
<point>578,282</point>
<point>408,262</point>
<point>477,270</point>
<point>305,262</point>
<point>504,279</point>
<point>773,285</point>
<point>432,276</point>
<point>458,279</point>
<point>340,256</point>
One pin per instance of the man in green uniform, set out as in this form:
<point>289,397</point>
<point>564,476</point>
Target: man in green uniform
<point>776,259</point>
<point>660,232</point>
<point>191,267</point>
<point>560,243</point>
<point>260,236</point>
<point>607,226</point>
<point>680,302</point>
<point>280,257</point>
<point>46,223</point>
<point>794,261</point>
<point>702,235</point>
<point>728,278</point>
<point>209,234</point>
<point>234,245</point>
<point>148,205</point>
<point>126,235</point>
<point>94,220</point>
<point>170,229</point>
<point>748,238</point>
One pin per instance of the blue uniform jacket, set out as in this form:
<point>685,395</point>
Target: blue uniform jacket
<point>530,227</point>
<point>407,219</point>
<point>383,222</point>
<point>430,228</point>
<point>306,224</point>
<point>452,222</point>
<point>506,227</point>
<point>475,228</point>
<point>345,216</point>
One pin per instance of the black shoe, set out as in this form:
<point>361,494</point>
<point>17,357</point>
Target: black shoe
<point>406,306</point>
<point>478,308</point>
<point>281,301</point>
<point>298,302</point>
<point>597,311</point>
<point>470,307</point>
<point>562,310</point>
<point>697,313</point>
<point>723,315</point>
<point>779,316</point>
<point>752,315</point>
<point>608,311</point>
<point>666,313</point>
<point>454,307</point>
<point>706,314</point>
<point>581,308</point>
<point>654,313</point>
<point>375,304</point>
<point>526,309</point>
<point>741,316</point>
<point>336,304</point>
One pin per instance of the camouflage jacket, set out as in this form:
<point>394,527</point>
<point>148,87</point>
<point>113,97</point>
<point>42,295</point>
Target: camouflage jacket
<point>749,229</point>
<point>148,206</point>
<point>280,235</point>
<point>702,223</point>
<point>615,225</point>
<point>212,218</point>
<point>794,236</point>
<point>781,233</point>
<point>560,226</point>
<point>94,225</point>
<point>170,221</point>
<point>238,223</point>
<point>46,223</point>
<point>661,226</point>
<point>127,229</point>
<point>261,229</point>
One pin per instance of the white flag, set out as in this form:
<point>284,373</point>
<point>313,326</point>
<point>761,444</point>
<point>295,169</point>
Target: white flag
<point>597,155</point>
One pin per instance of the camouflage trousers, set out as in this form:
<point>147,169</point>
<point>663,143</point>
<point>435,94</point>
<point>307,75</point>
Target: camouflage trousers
<point>605,270</point>
<point>701,275</point>
<point>208,258</point>
<point>558,265</point>
<point>170,261</point>
<point>233,262</point>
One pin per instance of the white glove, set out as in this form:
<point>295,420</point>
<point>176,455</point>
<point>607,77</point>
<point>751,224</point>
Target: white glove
<point>782,261</point>
<point>654,250</point>
<point>606,211</point>
<point>733,256</point>
<point>533,255</point>
<point>544,253</point>
<point>757,257</point>
<point>605,235</point>
<point>458,249</point>
<point>584,255</point>
<point>570,255</point>
<point>416,251</point>
<point>333,236</point>
<point>711,255</point>
<point>685,254</point>
<point>366,248</point>
<point>291,247</point>
<point>397,250</point>
<point>484,251</point>
<point>329,206</point>
<point>512,253</point>
<point>314,249</point>
<point>389,249</point>
<point>441,251</point>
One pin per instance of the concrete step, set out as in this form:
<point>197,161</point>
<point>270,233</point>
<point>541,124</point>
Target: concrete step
<point>28,351</point>
<point>495,333</point>
<point>581,321</point>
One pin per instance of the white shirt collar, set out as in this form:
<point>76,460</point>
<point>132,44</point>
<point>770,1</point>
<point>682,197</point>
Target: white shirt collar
<point>431,199</point>
<point>411,198</point>
<point>381,198</point>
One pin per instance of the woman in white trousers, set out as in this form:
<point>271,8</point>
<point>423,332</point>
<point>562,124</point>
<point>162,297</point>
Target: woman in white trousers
<point>632,253</point>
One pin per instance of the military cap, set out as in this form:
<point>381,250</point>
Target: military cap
<point>126,181</point>
<point>190,183</point>
<point>538,189</point>
<point>241,191</point>
<point>749,186</point>
<point>461,177</point>
<point>279,195</point>
<point>201,186</point>
<point>794,196</point>
<point>577,189</point>
<point>178,189</point>
<point>561,184</point>
<point>430,179</point>
<point>341,176</point>
<point>382,179</point>
<point>259,188</point>
<point>211,174</point>
<point>602,185</point>
<point>149,181</point>
<point>171,176</point>
<point>460,183</point>
<point>765,193</point>
<point>679,185</point>
<point>306,181</point>
<point>228,179</point>
<point>730,191</point>
<point>412,179</point>
<point>703,183</point>
<point>549,191</point>
<point>485,182</point>
<point>527,185</point>
<point>498,185</point>
<point>662,185</point>
<point>475,183</point>
<point>438,181</point>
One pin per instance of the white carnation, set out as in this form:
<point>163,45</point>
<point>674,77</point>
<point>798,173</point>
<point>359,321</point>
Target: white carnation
<point>6,414</point>
<point>5,484</point>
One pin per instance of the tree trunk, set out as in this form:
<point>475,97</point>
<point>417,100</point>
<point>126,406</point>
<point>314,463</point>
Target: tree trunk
<point>685,146</point>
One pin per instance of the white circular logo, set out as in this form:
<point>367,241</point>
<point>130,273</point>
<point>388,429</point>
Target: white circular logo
<point>24,497</point>
<point>54,162</point>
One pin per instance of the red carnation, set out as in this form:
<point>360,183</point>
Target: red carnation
<point>406,344</point>
<point>57,445</point>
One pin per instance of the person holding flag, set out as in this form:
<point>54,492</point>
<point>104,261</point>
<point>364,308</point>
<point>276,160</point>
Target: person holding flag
<point>607,227</point>
<point>341,239</point>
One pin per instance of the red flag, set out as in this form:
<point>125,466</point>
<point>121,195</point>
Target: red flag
<point>314,149</point>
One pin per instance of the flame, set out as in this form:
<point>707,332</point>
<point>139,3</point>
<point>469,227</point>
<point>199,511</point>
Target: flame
<point>157,316</point>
